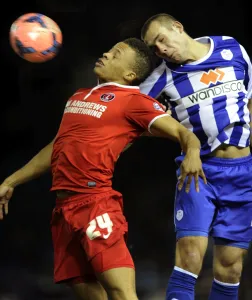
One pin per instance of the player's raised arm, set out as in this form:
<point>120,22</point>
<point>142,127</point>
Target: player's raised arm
<point>169,127</point>
<point>37,166</point>
<point>149,114</point>
<point>191,165</point>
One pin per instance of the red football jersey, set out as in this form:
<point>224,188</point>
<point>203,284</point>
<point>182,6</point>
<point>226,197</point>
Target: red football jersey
<point>96,126</point>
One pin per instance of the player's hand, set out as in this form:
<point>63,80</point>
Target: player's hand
<point>6,192</point>
<point>189,168</point>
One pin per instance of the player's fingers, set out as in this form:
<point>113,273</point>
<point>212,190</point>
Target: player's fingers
<point>3,190</point>
<point>196,180</point>
<point>188,183</point>
<point>202,175</point>
<point>6,208</point>
<point>181,181</point>
<point>1,211</point>
<point>3,200</point>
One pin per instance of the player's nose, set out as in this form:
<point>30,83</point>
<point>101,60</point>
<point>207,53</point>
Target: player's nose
<point>105,55</point>
<point>161,51</point>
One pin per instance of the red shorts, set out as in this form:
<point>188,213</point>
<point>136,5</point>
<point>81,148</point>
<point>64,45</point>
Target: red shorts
<point>88,236</point>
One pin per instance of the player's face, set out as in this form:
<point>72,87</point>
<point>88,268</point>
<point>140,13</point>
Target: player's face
<point>115,65</point>
<point>168,43</point>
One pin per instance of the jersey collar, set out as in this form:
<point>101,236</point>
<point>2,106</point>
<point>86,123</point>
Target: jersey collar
<point>134,87</point>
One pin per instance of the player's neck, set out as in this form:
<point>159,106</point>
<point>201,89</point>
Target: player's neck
<point>121,82</point>
<point>196,50</point>
<point>100,81</point>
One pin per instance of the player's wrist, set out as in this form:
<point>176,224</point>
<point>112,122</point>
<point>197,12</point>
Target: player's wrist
<point>11,181</point>
<point>193,151</point>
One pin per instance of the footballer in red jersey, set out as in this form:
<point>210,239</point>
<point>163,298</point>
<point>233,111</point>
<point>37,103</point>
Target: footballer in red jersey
<point>88,225</point>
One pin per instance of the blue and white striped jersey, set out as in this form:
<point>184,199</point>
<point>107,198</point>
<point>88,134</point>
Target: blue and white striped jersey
<point>209,96</point>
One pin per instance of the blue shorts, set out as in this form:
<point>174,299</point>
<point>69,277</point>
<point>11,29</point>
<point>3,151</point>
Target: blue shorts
<point>223,206</point>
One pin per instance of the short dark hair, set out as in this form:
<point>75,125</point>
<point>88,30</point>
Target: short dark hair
<point>162,18</point>
<point>144,62</point>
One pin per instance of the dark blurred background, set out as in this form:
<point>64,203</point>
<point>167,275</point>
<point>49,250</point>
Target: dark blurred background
<point>32,101</point>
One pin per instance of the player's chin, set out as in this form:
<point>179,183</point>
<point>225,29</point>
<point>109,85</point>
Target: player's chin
<point>97,70</point>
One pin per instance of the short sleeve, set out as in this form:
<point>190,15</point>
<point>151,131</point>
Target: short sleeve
<point>143,111</point>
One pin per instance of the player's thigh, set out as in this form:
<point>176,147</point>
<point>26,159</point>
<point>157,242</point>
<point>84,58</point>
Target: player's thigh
<point>114,268</point>
<point>193,215</point>
<point>233,220</point>
<point>70,260</point>
<point>106,225</point>
<point>194,211</point>
<point>92,290</point>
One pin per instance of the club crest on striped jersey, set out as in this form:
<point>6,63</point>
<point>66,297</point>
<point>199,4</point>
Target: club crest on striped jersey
<point>107,97</point>
<point>227,54</point>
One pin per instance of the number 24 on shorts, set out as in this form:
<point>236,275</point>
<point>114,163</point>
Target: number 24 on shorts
<point>102,222</point>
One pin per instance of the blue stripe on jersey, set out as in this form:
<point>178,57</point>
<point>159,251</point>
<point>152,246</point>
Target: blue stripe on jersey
<point>246,69</point>
<point>184,88</point>
<point>174,114</point>
<point>221,116</point>
<point>246,76</point>
<point>248,142</point>
<point>238,126</point>
<point>173,104</point>
<point>158,86</point>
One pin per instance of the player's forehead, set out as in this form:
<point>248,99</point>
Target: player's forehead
<point>121,47</point>
<point>155,29</point>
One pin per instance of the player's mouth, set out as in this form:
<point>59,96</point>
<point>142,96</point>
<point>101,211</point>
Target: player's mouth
<point>99,62</point>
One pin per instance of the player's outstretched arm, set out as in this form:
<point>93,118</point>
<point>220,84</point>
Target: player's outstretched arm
<point>191,165</point>
<point>37,166</point>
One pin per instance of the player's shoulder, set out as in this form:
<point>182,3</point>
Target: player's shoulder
<point>229,47</point>
<point>81,91</point>
<point>225,41</point>
<point>139,99</point>
<point>141,96</point>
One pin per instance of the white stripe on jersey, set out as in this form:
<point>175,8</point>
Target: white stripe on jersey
<point>145,87</point>
<point>181,113</point>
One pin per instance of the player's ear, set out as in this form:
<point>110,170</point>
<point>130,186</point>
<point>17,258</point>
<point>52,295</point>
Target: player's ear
<point>177,26</point>
<point>129,76</point>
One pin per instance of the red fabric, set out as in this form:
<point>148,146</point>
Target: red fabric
<point>88,236</point>
<point>96,126</point>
